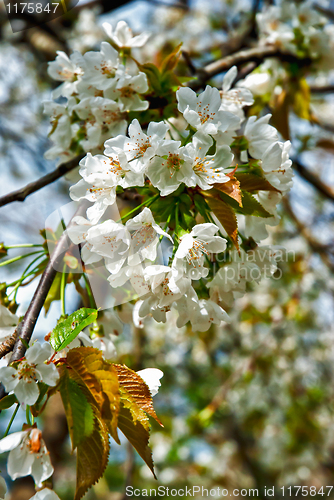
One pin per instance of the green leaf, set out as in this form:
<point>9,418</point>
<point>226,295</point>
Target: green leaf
<point>99,377</point>
<point>252,182</point>
<point>54,292</point>
<point>92,457</point>
<point>252,207</point>
<point>79,412</point>
<point>153,76</point>
<point>137,432</point>
<point>170,62</point>
<point>8,401</point>
<point>67,330</point>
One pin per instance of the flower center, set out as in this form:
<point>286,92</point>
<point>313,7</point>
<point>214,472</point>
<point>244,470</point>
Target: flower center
<point>204,114</point>
<point>35,441</point>
<point>27,371</point>
<point>195,253</point>
<point>174,162</point>
<point>144,236</point>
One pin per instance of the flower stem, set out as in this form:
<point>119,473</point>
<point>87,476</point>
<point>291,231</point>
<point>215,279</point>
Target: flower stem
<point>12,420</point>
<point>89,292</point>
<point>19,257</point>
<point>22,245</point>
<point>28,415</point>
<point>25,274</point>
<point>146,203</point>
<point>62,290</point>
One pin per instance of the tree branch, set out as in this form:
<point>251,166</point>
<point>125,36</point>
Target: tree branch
<point>255,54</point>
<point>325,89</point>
<point>32,187</point>
<point>26,327</point>
<point>306,233</point>
<point>314,180</point>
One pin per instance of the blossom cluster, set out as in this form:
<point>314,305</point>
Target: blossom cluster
<point>299,29</point>
<point>168,256</point>
<point>98,92</point>
<point>213,136</point>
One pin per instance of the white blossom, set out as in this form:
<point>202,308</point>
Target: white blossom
<point>190,256</point>
<point>139,147</point>
<point>172,167</point>
<point>211,169</point>
<point>23,379</point>
<point>45,494</point>
<point>112,241</point>
<point>233,100</point>
<point>276,165</point>
<point>101,69</point>
<point>260,135</point>
<point>67,70</point>
<point>8,323</point>
<point>127,90</point>
<point>144,237</point>
<point>151,377</point>
<point>27,455</point>
<point>203,112</point>
<point>122,36</point>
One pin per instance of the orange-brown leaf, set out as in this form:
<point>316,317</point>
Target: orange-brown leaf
<point>137,389</point>
<point>100,378</point>
<point>226,216</point>
<point>231,188</point>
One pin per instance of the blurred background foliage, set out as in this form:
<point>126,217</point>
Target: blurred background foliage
<point>244,406</point>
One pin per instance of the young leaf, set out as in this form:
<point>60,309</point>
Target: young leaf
<point>101,381</point>
<point>226,216</point>
<point>137,433</point>
<point>137,389</point>
<point>79,412</point>
<point>153,76</point>
<point>92,458</point>
<point>54,293</point>
<point>252,207</point>
<point>302,99</point>
<point>252,182</point>
<point>8,401</point>
<point>231,188</point>
<point>170,62</point>
<point>67,330</point>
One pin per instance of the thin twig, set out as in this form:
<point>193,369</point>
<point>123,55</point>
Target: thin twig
<point>306,233</point>
<point>26,327</point>
<point>32,187</point>
<point>314,180</point>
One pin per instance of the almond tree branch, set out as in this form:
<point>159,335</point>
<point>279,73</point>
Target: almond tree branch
<point>26,327</point>
<point>314,180</point>
<point>32,187</point>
